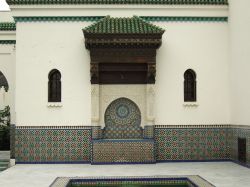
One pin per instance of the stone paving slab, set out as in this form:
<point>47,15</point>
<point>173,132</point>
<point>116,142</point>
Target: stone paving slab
<point>220,174</point>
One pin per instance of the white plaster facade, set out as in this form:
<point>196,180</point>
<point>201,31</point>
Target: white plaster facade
<point>239,61</point>
<point>216,51</point>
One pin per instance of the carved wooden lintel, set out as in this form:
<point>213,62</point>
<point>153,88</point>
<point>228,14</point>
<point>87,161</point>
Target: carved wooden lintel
<point>120,66</point>
<point>94,73</point>
<point>113,63</point>
<point>151,73</point>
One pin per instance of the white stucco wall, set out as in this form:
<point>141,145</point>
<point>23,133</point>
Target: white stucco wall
<point>6,16</point>
<point>42,46</point>
<point>203,47</point>
<point>240,61</point>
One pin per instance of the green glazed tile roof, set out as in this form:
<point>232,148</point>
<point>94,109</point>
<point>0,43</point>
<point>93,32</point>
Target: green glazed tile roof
<point>97,18</point>
<point>7,41</point>
<point>7,26</point>
<point>134,25</point>
<point>160,2</point>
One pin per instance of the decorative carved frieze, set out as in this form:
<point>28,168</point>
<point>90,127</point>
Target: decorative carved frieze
<point>123,50</point>
<point>94,73</point>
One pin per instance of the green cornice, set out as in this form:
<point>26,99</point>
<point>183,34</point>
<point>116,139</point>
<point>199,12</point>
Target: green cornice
<point>146,18</point>
<point>58,18</point>
<point>122,2</point>
<point>7,26</point>
<point>7,41</point>
<point>185,18</point>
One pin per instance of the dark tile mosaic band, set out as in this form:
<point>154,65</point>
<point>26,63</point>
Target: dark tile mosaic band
<point>122,120</point>
<point>123,151</point>
<point>52,144</point>
<point>60,144</point>
<point>233,135</point>
<point>12,141</point>
<point>191,144</point>
<point>148,132</point>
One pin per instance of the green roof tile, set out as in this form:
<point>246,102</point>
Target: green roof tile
<point>160,2</point>
<point>97,18</point>
<point>7,26</point>
<point>134,25</point>
<point>7,41</point>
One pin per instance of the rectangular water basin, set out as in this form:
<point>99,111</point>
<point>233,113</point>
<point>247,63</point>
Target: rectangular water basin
<point>155,181</point>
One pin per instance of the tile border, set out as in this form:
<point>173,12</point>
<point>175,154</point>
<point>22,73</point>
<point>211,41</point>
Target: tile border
<point>7,41</point>
<point>97,18</point>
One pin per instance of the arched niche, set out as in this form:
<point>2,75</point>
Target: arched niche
<point>122,112</point>
<point>3,82</point>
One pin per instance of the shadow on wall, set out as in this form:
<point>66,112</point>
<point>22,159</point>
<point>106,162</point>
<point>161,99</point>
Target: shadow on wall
<point>4,114</point>
<point>5,129</point>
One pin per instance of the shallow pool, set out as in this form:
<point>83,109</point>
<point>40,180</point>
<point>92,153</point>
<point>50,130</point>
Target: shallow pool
<point>132,182</point>
<point>146,181</point>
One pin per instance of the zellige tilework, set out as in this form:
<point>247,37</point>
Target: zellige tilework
<point>52,145</point>
<point>123,151</point>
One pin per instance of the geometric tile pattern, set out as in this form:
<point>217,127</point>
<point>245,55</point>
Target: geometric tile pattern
<point>122,120</point>
<point>52,145</point>
<point>122,111</point>
<point>191,144</point>
<point>233,135</point>
<point>96,132</point>
<point>12,141</point>
<point>123,151</point>
<point>122,132</point>
<point>73,144</point>
<point>148,132</point>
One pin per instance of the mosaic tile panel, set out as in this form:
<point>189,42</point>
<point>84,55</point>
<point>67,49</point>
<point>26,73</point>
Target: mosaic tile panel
<point>12,141</point>
<point>122,120</point>
<point>122,111</point>
<point>52,144</point>
<point>96,132</point>
<point>191,144</point>
<point>123,151</point>
<point>233,135</point>
<point>122,132</point>
<point>148,132</point>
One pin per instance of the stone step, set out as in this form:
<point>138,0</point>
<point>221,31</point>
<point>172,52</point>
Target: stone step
<point>2,168</point>
<point>4,160</point>
<point>4,164</point>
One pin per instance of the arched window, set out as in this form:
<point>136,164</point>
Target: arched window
<point>3,82</point>
<point>54,86</point>
<point>189,86</point>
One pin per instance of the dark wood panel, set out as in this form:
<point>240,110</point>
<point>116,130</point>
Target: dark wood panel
<point>123,77</point>
<point>123,55</point>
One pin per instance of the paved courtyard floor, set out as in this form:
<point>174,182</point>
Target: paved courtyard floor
<point>221,174</point>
